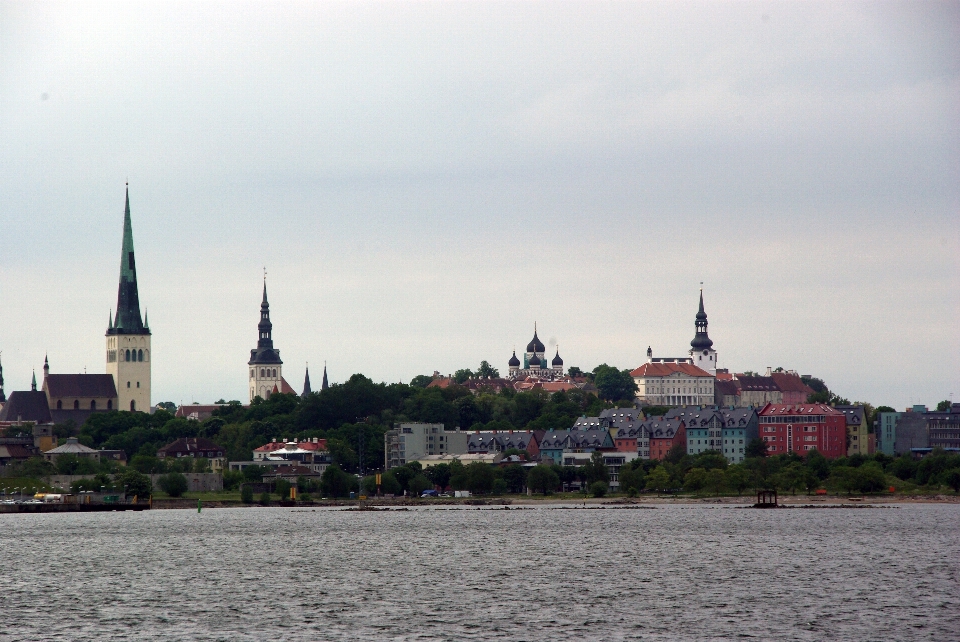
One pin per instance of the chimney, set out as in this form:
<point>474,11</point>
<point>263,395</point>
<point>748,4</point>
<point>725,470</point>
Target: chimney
<point>769,371</point>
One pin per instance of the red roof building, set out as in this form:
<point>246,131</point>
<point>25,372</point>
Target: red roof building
<point>801,428</point>
<point>664,435</point>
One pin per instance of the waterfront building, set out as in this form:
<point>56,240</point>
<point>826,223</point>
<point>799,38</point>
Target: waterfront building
<point>412,441</point>
<point>495,441</point>
<point>195,448</point>
<point>885,428</point>
<point>801,428</point>
<point>664,435</point>
<point>726,431</point>
<point>556,443</point>
<point>911,431</point>
<point>944,428</point>
<point>128,349</point>
<point>857,433</point>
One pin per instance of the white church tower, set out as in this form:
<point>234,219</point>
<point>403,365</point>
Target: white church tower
<point>701,348</point>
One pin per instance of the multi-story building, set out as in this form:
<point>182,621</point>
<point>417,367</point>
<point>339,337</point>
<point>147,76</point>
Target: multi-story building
<point>944,428</point>
<point>885,428</point>
<point>673,384</point>
<point>494,441</point>
<point>911,433</point>
<point>412,441</point>
<point>555,444</point>
<point>665,434</point>
<point>128,334</point>
<point>801,428</point>
<point>857,433</point>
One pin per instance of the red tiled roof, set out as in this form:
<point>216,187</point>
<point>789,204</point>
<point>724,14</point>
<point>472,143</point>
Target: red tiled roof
<point>319,445</point>
<point>667,369</point>
<point>285,387</point>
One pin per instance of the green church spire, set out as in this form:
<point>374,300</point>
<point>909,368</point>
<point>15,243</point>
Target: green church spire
<point>128,320</point>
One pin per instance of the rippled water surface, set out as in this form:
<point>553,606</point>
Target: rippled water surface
<point>669,573</point>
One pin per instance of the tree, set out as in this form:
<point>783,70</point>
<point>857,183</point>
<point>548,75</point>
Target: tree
<point>952,479</point>
<point>596,470</point>
<point>282,488</point>
<point>439,475</point>
<point>714,480</point>
<point>264,499</point>
<point>574,371</point>
<point>479,478</point>
<point>598,489</point>
<point>756,448</point>
<point>419,484</point>
<point>676,453</point>
<point>336,483</point>
<point>515,477</point>
<point>421,381</point>
<point>486,370</point>
<point>542,478</point>
<point>614,384</point>
<point>695,480</point>
<point>658,479</point>
<point>136,483</point>
<point>631,479</point>
<point>169,406</point>
<point>173,484</point>
<point>461,375</point>
<point>738,479</point>
<point>246,494</point>
<point>943,406</point>
<point>458,475</point>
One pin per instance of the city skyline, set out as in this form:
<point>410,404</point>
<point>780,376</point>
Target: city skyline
<point>424,182</point>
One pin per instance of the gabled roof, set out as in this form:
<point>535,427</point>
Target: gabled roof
<point>663,428</point>
<point>587,423</point>
<point>80,385</point>
<point>286,388</point>
<point>777,409</point>
<point>737,417</point>
<point>726,388</point>
<point>667,369</point>
<point>695,416</point>
<point>189,445</point>
<point>26,405</point>
<point>790,383</point>
<point>313,446</point>
<point>854,414</point>
<point>757,384</point>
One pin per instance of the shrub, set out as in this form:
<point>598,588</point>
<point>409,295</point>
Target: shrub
<point>136,483</point>
<point>265,499</point>
<point>173,484</point>
<point>598,488</point>
<point>282,488</point>
<point>246,494</point>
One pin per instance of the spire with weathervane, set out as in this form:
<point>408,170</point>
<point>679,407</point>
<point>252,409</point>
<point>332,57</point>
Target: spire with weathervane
<point>306,383</point>
<point>701,348</point>
<point>325,385</point>
<point>128,319</point>
<point>266,368</point>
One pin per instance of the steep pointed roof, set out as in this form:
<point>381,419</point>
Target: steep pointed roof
<point>264,353</point>
<point>306,383</point>
<point>325,385</point>
<point>3,397</point>
<point>535,344</point>
<point>700,340</point>
<point>127,319</point>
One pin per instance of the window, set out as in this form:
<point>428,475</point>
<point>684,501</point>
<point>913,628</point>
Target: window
<point>128,384</point>
<point>76,404</point>
<point>138,384</point>
<point>133,405</point>
<point>139,355</point>
<point>127,356</point>
<point>93,404</point>
<point>261,372</point>
<point>59,404</point>
<point>109,404</point>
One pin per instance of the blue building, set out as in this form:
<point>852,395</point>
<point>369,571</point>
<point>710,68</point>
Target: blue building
<point>885,428</point>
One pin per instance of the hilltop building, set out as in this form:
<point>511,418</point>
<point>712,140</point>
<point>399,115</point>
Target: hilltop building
<point>535,362</point>
<point>128,334</point>
<point>266,368</point>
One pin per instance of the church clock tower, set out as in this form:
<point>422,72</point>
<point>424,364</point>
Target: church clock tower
<point>128,335</point>
<point>701,348</point>
<point>266,368</point>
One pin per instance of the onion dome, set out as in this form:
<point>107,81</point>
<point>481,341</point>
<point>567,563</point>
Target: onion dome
<point>557,361</point>
<point>701,341</point>
<point>535,344</point>
<point>514,362</point>
<point>534,361</point>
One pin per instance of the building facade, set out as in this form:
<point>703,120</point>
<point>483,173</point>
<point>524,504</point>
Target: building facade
<point>885,428</point>
<point>801,428</point>
<point>673,384</point>
<point>408,442</point>
<point>664,435</point>
<point>858,436</point>
<point>128,334</point>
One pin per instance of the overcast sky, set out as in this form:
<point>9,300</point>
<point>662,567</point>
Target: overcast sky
<point>424,181</point>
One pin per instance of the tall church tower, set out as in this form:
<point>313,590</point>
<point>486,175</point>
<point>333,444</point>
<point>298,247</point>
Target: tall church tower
<point>128,335</point>
<point>701,348</point>
<point>266,368</point>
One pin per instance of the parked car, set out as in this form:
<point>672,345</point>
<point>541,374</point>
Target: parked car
<point>429,493</point>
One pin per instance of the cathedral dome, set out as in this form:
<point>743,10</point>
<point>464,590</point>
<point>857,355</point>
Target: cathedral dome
<point>514,362</point>
<point>557,361</point>
<point>535,361</point>
<point>535,345</point>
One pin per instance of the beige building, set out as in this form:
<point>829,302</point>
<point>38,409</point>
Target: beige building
<point>673,384</point>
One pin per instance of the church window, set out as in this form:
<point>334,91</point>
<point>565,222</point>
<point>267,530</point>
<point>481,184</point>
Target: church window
<point>128,384</point>
<point>127,356</point>
<point>76,404</point>
<point>109,404</point>
<point>93,404</point>
<point>261,373</point>
<point>139,355</point>
<point>133,405</point>
<point>138,384</point>
<point>59,404</point>
<point>251,374</point>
